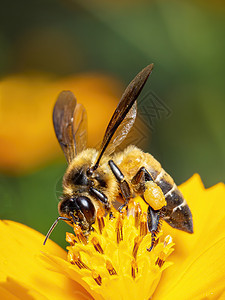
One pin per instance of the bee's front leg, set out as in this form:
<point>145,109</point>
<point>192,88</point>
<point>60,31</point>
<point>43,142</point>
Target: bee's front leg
<point>100,196</point>
<point>124,186</point>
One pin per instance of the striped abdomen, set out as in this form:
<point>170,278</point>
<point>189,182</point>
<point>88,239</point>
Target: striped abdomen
<point>176,213</point>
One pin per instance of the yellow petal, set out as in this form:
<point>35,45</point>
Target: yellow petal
<point>207,209</point>
<point>61,266</point>
<point>13,289</point>
<point>199,260</point>
<point>22,273</point>
<point>26,104</point>
<point>202,279</point>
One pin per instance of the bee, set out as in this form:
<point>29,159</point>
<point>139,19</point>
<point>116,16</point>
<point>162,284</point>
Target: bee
<point>94,178</point>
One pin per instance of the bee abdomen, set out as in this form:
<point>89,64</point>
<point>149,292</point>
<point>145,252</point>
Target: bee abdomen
<point>176,213</point>
<point>164,181</point>
<point>175,199</point>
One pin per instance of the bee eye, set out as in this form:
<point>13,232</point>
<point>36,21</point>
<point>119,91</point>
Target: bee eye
<point>87,208</point>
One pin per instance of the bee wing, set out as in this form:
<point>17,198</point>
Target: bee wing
<point>122,130</point>
<point>80,128</point>
<point>121,113</point>
<point>69,120</point>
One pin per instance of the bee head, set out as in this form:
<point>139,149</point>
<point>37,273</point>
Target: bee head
<point>79,209</point>
<point>75,210</point>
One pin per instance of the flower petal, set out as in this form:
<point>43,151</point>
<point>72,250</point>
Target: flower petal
<point>23,274</point>
<point>61,266</point>
<point>26,108</point>
<point>13,289</point>
<point>203,277</point>
<point>207,210</point>
<point>199,261</point>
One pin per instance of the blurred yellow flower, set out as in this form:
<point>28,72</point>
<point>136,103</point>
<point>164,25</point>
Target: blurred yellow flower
<point>26,103</point>
<point>29,270</point>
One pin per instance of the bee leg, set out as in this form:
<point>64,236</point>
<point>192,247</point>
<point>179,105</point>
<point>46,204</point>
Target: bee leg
<point>100,197</point>
<point>153,216</point>
<point>124,186</point>
<point>139,180</point>
<point>85,224</point>
<point>111,215</point>
<point>73,218</point>
<point>153,221</point>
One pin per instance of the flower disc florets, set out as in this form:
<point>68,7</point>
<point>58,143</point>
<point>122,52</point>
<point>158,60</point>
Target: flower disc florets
<point>115,261</point>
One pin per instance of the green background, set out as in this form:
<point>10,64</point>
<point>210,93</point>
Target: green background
<point>184,39</point>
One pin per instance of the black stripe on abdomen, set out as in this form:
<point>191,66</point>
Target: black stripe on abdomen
<point>174,198</point>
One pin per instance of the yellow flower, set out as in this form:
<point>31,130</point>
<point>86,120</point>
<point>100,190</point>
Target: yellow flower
<point>108,267</point>
<point>116,259</point>
<point>26,104</point>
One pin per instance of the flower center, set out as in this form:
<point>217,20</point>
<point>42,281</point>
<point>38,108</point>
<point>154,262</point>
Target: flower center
<point>115,261</point>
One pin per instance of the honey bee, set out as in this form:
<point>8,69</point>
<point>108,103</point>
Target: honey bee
<point>95,179</point>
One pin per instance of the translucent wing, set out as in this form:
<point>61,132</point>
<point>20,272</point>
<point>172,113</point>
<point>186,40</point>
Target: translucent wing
<point>122,130</point>
<point>127,101</point>
<point>80,128</point>
<point>69,120</point>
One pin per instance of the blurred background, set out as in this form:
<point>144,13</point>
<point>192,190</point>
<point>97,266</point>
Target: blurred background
<point>95,48</point>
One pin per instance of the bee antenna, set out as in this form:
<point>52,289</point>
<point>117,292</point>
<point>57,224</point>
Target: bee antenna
<point>53,226</point>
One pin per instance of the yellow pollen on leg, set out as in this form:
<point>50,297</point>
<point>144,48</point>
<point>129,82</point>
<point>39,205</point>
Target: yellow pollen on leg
<point>154,196</point>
